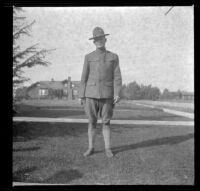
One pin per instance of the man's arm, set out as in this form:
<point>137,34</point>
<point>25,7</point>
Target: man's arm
<point>84,78</point>
<point>117,80</point>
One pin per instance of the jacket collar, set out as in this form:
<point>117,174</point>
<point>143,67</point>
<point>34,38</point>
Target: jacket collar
<point>102,50</point>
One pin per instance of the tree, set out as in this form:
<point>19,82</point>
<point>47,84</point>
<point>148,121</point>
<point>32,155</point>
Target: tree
<point>142,91</point>
<point>21,93</point>
<point>179,94</point>
<point>28,57</point>
<point>166,94</point>
<point>154,93</point>
<point>133,90</point>
<point>123,92</point>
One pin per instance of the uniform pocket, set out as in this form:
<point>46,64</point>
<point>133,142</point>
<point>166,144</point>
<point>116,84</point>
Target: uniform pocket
<point>109,60</point>
<point>93,59</point>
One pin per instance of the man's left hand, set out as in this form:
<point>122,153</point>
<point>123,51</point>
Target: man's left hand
<point>116,99</point>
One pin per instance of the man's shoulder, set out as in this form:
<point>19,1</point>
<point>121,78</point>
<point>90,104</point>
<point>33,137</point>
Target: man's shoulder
<point>90,54</point>
<point>111,54</point>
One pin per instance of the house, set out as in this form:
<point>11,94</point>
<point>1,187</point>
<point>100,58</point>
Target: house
<point>187,95</point>
<point>50,89</point>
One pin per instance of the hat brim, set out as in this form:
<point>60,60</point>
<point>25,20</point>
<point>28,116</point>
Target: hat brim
<point>98,36</point>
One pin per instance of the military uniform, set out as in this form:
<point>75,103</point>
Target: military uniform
<point>100,82</point>
<point>100,86</point>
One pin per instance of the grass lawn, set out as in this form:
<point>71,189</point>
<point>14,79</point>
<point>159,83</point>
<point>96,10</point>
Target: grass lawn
<point>144,154</point>
<point>50,103</point>
<point>179,105</point>
<point>52,153</point>
<point>122,111</point>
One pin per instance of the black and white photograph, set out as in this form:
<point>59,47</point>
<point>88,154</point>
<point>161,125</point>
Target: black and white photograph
<point>103,95</point>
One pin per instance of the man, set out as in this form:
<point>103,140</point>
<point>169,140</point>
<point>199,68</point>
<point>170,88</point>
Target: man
<point>99,89</point>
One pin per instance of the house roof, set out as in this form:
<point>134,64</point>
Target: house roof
<point>53,84</point>
<point>188,93</point>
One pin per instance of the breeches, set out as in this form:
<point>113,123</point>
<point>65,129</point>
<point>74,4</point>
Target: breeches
<point>102,108</point>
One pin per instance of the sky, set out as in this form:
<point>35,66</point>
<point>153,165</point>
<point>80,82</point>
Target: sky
<point>153,47</point>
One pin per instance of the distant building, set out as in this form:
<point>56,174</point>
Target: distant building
<point>178,95</point>
<point>187,95</point>
<point>182,95</point>
<point>54,89</point>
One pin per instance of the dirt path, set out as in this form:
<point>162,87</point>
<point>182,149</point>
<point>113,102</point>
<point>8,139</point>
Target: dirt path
<point>165,103</point>
<point>137,122</point>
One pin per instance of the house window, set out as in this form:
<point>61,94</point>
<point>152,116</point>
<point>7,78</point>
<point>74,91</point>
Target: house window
<point>43,92</point>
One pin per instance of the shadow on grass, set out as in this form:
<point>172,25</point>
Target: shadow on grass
<point>26,149</point>
<point>22,175</point>
<point>154,142</point>
<point>64,176</point>
<point>119,129</point>
<point>25,131</point>
<point>116,128</point>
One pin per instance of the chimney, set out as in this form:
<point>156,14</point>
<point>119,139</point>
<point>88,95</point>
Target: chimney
<point>69,89</point>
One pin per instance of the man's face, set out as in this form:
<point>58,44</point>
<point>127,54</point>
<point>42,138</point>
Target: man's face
<point>100,42</point>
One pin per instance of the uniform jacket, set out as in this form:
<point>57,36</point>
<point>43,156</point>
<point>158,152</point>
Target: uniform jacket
<point>101,75</point>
